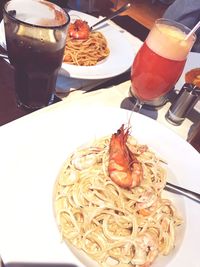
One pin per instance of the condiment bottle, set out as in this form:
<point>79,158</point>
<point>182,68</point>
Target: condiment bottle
<point>183,103</point>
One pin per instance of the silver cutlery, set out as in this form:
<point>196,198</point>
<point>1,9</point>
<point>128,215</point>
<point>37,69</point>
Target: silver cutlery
<point>3,52</point>
<point>111,16</point>
<point>3,56</point>
<point>182,191</point>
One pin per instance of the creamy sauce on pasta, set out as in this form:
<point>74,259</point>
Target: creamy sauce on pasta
<point>114,226</point>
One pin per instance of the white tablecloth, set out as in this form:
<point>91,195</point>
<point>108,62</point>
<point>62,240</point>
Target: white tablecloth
<point>118,96</point>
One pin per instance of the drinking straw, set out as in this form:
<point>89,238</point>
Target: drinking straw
<point>193,30</point>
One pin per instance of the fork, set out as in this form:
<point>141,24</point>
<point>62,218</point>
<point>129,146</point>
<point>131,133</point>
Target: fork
<point>183,191</point>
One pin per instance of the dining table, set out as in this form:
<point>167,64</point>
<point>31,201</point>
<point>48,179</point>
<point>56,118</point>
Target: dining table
<point>113,91</point>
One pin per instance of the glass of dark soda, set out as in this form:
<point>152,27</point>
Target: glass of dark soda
<point>36,32</point>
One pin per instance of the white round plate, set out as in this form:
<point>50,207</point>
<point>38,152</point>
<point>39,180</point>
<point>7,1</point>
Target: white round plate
<point>31,160</point>
<point>119,60</point>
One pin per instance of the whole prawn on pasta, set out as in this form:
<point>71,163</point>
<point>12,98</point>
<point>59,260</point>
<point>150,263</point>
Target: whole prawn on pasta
<point>79,29</point>
<point>123,167</point>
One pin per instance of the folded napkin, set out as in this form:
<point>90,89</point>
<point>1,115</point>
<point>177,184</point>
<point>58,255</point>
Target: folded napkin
<point>118,96</point>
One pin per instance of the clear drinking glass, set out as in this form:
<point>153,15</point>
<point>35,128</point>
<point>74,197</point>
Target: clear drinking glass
<point>159,62</point>
<point>36,32</point>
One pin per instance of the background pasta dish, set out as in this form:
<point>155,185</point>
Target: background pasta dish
<point>113,225</point>
<point>83,47</point>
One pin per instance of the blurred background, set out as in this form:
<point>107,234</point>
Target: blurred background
<point>145,12</point>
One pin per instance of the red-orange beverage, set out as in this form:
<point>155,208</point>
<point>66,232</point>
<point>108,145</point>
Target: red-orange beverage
<point>154,75</point>
<point>160,61</point>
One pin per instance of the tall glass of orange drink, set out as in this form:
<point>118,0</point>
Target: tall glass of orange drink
<point>159,62</point>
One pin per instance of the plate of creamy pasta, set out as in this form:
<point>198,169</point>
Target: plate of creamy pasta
<point>97,55</point>
<point>83,186</point>
<point>110,204</point>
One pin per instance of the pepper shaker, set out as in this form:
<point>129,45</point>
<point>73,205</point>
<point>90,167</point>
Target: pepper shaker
<point>183,103</point>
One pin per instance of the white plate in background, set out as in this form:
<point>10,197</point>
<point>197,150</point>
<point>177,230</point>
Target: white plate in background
<point>120,59</point>
<point>193,61</point>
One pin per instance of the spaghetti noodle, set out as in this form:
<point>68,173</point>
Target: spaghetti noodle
<point>86,52</point>
<point>114,226</point>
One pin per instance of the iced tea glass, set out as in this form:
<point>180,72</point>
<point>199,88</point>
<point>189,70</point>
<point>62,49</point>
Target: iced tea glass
<point>36,32</point>
<point>159,62</point>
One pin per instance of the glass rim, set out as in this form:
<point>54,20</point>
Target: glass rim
<point>35,25</point>
<point>175,23</point>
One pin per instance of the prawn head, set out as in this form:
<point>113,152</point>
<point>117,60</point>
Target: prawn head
<point>79,29</point>
<point>124,169</point>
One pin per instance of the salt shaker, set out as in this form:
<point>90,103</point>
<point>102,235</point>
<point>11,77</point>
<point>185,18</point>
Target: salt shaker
<point>184,102</point>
